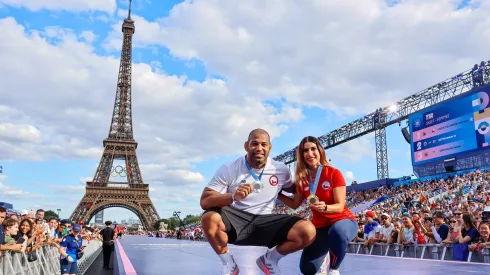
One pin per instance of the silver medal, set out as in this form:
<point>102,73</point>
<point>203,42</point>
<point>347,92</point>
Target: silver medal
<point>257,186</point>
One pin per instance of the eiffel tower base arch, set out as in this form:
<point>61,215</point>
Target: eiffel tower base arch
<point>99,197</point>
<point>137,210</point>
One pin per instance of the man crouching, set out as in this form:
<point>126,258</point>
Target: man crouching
<point>239,201</point>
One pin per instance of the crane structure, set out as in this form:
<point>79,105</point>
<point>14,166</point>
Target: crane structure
<point>381,118</point>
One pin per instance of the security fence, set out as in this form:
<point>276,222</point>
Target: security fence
<point>91,252</point>
<point>48,261</point>
<point>421,251</point>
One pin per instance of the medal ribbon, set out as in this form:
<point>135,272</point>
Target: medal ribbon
<point>317,179</point>
<point>252,173</point>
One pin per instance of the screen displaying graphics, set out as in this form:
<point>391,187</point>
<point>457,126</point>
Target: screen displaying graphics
<point>99,217</point>
<point>445,130</point>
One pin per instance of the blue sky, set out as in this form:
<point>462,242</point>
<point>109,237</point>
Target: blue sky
<point>205,74</point>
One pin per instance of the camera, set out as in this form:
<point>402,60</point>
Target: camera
<point>485,215</point>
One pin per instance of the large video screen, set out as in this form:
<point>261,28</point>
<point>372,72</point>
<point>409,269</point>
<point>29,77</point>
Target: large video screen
<point>458,125</point>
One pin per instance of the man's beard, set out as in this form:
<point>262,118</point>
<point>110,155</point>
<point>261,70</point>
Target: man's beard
<point>259,161</point>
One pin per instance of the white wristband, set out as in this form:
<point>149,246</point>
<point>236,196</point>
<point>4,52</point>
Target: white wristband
<point>233,198</point>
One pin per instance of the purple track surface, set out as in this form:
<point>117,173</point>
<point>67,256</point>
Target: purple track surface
<point>169,256</point>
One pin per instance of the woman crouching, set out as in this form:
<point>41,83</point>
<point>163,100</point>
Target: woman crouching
<point>324,188</point>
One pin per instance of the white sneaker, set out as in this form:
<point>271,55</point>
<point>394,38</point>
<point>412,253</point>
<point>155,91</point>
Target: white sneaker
<point>267,266</point>
<point>323,269</point>
<point>230,269</point>
<point>334,272</point>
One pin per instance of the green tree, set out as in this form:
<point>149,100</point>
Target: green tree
<point>192,219</point>
<point>50,213</point>
<point>173,223</point>
<point>132,228</point>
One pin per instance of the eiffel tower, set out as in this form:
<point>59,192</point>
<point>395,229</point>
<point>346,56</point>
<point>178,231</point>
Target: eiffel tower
<point>101,193</point>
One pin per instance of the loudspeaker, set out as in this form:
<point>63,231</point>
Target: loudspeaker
<point>406,134</point>
<point>449,164</point>
<point>449,168</point>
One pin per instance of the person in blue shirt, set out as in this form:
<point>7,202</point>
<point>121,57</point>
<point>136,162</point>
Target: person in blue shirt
<point>73,244</point>
<point>439,230</point>
<point>3,215</point>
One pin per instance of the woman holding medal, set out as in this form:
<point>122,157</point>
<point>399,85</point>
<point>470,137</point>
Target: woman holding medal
<point>324,188</point>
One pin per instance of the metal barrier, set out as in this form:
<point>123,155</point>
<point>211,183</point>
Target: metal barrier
<point>421,251</point>
<point>48,261</point>
<point>91,251</point>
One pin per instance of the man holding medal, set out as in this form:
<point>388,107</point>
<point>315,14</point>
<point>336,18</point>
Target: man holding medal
<point>239,201</point>
<point>325,191</point>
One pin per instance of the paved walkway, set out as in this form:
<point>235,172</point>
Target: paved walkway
<point>96,267</point>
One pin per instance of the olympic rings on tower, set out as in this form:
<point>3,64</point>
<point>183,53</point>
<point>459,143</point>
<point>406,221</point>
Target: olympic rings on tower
<point>118,170</point>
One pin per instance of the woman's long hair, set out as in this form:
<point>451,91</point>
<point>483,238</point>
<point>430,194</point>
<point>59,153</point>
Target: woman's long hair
<point>302,169</point>
<point>467,220</point>
<point>29,233</point>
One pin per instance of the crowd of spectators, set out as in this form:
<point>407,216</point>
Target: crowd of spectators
<point>353,199</point>
<point>26,232</point>
<point>451,210</point>
<point>191,233</point>
<point>303,210</point>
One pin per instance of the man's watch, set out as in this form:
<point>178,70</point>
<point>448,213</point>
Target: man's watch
<point>325,209</point>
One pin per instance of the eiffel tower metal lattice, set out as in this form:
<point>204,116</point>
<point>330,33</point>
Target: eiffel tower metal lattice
<point>101,193</point>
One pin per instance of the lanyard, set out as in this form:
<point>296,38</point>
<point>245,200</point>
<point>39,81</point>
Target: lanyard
<point>317,178</point>
<point>252,173</point>
<point>76,241</point>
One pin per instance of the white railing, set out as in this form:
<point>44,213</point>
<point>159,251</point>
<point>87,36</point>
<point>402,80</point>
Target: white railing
<point>48,261</point>
<point>421,251</point>
<point>91,251</point>
<point>437,195</point>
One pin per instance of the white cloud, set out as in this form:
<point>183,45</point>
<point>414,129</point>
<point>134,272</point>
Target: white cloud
<point>24,198</point>
<point>19,133</point>
<point>24,136</point>
<point>71,97</point>
<point>83,180</point>
<point>169,175</point>
<point>108,6</point>
<point>70,189</point>
<point>88,36</point>
<point>353,151</point>
<point>14,193</point>
<point>177,122</point>
<point>349,176</point>
<point>349,56</point>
